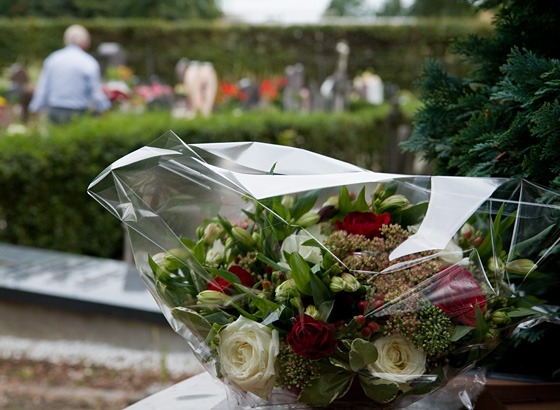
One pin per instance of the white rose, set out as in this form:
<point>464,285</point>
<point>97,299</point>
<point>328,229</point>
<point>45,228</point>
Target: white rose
<point>293,243</point>
<point>398,361</point>
<point>215,254</point>
<point>248,353</point>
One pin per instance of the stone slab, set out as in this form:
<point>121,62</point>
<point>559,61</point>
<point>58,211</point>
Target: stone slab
<point>74,281</point>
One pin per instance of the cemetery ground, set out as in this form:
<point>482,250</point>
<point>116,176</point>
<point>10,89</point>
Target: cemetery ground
<point>56,359</point>
<point>78,332</point>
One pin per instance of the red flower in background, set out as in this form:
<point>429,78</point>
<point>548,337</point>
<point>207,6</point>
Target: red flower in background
<point>222,285</point>
<point>268,90</point>
<point>363,223</point>
<point>457,294</point>
<point>311,338</point>
<point>229,89</point>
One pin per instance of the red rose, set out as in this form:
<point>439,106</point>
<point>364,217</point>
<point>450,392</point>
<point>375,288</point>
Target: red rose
<point>363,223</point>
<point>457,294</point>
<point>311,338</point>
<point>221,285</point>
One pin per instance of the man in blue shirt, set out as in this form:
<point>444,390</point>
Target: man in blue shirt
<point>70,80</point>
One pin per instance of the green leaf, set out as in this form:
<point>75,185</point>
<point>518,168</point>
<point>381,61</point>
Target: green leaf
<point>198,325</point>
<point>301,273</point>
<point>460,331</point>
<point>326,388</point>
<point>344,202</point>
<point>362,353</point>
<point>226,275</point>
<point>325,310</point>
<point>521,312</point>
<point>189,243</point>
<point>269,262</point>
<point>339,363</point>
<point>380,390</point>
<point>262,304</point>
<point>414,214</point>
<point>219,318</point>
<point>481,324</point>
<point>304,203</point>
<point>321,294</point>
<point>360,205</point>
<point>520,247</point>
<point>199,251</point>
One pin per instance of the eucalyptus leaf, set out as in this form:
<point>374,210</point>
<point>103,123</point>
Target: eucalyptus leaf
<point>362,353</point>
<point>380,390</point>
<point>197,324</point>
<point>328,387</point>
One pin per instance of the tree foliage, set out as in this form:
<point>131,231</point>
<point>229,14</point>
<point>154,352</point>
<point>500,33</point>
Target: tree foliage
<point>503,119</point>
<point>163,9</point>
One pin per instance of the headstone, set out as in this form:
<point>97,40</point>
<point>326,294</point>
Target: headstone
<point>295,78</point>
<point>77,282</point>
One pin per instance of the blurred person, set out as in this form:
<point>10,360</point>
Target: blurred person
<point>201,86</point>
<point>70,80</point>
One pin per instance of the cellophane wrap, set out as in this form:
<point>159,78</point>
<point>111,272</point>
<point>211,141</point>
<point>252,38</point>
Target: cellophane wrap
<point>301,280</point>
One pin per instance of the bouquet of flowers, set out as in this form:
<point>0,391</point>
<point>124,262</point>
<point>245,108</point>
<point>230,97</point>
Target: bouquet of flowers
<point>300,279</point>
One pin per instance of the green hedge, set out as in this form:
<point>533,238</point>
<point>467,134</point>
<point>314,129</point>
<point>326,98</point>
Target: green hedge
<point>43,178</point>
<point>396,52</point>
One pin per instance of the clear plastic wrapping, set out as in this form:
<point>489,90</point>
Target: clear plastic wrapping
<point>301,280</point>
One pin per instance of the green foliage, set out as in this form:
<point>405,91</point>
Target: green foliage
<point>501,120</point>
<point>162,9</point>
<point>43,178</point>
<point>155,46</point>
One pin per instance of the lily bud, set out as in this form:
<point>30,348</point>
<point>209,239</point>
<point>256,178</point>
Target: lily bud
<point>257,237</point>
<point>379,191</point>
<point>288,201</point>
<point>241,235</point>
<point>500,317</point>
<point>308,219</point>
<point>495,264</point>
<point>492,334</point>
<point>212,298</point>
<point>313,312</point>
<point>351,284</point>
<point>211,233</point>
<point>286,290</point>
<point>174,258</point>
<point>332,201</point>
<point>337,284</point>
<point>521,266</point>
<point>394,201</point>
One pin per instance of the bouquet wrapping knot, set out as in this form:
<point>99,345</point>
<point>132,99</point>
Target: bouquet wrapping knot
<point>300,279</point>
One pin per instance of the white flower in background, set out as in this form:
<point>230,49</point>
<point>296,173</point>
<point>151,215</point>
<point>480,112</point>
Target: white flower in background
<point>248,353</point>
<point>398,361</point>
<point>452,254</point>
<point>215,254</point>
<point>293,243</point>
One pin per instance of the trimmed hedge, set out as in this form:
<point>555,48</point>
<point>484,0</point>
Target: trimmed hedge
<point>395,52</point>
<point>43,179</point>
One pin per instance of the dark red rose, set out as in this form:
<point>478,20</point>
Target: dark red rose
<point>457,294</point>
<point>222,285</point>
<point>311,338</point>
<point>363,223</point>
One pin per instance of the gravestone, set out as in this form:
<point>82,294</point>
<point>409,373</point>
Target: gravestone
<point>76,282</point>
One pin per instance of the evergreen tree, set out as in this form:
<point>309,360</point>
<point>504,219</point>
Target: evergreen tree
<point>504,119</point>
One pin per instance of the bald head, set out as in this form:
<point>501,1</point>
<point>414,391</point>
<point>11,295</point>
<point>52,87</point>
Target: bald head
<point>78,36</point>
